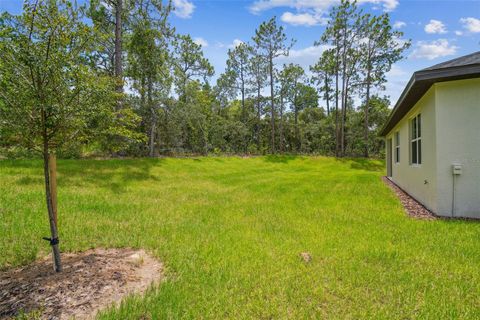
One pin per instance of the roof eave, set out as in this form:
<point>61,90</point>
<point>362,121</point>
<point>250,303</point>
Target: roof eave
<point>425,79</point>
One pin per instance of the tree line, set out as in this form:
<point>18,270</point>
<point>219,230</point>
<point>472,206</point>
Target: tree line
<point>115,78</point>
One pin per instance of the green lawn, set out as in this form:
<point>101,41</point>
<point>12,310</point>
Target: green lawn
<point>230,231</point>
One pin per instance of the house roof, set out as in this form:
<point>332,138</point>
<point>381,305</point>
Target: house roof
<point>465,67</point>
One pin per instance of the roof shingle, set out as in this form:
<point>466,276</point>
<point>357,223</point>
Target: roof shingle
<point>473,58</point>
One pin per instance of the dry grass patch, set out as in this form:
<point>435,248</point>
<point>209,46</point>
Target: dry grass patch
<point>91,281</point>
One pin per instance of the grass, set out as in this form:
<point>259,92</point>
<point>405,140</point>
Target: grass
<point>230,231</point>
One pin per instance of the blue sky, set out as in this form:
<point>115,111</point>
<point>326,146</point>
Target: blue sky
<point>439,29</point>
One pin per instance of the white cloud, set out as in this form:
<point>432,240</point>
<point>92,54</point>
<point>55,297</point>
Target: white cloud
<point>310,12</point>
<point>263,5</point>
<point>399,42</point>
<point>183,8</point>
<point>435,26</point>
<point>471,24</point>
<point>458,33</point>
<point>305,57</point>
<point>399,24</point>
<point>388,5</point>
<point>201,41</point>
<point>319,5</point>
<point>396,71</point>
<point>302,19</point>
<point>315,51</point>
<point>393,88</point>
<point>433,49</point>
<point>236,43</point>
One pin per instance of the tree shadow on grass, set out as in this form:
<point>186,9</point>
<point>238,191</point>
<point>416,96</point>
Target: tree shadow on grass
<point>364,164</point>
<point>21,163</point>
<point>29,180</point>
<point>113,174</point>
<point>273,158</point>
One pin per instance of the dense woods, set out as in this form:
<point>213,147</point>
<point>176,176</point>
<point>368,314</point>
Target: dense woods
<point>114,78</point>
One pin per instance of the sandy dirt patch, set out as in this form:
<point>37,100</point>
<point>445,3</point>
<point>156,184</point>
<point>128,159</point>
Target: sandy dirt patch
<point>90,281</point>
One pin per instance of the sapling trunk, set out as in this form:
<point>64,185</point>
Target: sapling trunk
<point>51,212</point>
<point>52,166</point>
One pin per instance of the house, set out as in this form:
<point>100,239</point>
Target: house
<point>433,138</point>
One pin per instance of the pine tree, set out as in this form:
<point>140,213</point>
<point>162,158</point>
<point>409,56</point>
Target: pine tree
<point>270,43</point>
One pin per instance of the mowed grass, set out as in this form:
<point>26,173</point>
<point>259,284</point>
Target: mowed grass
<point>230,231</point>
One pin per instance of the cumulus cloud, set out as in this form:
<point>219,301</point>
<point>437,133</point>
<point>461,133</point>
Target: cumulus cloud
<point>320,5</point>
<point>435,26</point>
<point>183,8</point>
<point>399,24</point>
<point>200,41</point>
<point>305,57</point>
<point>397,79</point>
<point>396,71</point>
<point>235,43</point>
<point>471,24</point>
<point>312,51</point>
<point>309,12</point>
<point>458,33</point>
<point>312,8</point>
<point>388,5</point>
<point>302,19</point>
<point>433,49</point>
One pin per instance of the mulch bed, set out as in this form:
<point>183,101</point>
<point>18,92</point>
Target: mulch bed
<point>90,281</point>
<point>412,207</point>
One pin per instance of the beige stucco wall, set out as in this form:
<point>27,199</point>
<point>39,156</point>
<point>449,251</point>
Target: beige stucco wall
<point>457,108</point>
<point>420,181</point>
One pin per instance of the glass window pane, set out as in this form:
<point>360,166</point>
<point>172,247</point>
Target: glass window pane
<point>419,126</point>
<point>414,152</point>
<point>419,151</point>
<point>414,128</point>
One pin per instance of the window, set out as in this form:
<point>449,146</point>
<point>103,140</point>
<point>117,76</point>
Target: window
<point>416,140</point>
<point>397,147</point>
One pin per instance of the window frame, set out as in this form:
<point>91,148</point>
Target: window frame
<point>396,144</point>
<point>416,140</point>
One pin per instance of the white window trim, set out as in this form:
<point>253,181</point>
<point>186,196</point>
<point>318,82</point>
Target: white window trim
<point>396,141</point>
<point>417,139</point>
